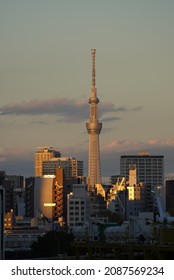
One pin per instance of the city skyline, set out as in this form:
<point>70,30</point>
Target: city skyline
<point>45,80</point>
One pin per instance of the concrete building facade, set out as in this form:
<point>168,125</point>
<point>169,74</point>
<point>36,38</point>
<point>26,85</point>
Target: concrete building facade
<point>150,171</point>
<point>72,167</point>
<point>14,193</point>
<point>135,202</point>
<point>78,206</point>
<point>44,197</point>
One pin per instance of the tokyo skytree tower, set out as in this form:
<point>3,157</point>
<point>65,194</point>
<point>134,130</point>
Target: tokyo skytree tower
<point>93,128</point>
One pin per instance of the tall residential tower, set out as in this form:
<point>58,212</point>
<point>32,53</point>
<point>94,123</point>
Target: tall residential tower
<point>93,128</point>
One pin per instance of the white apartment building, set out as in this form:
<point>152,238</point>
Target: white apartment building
<point>78,206</point>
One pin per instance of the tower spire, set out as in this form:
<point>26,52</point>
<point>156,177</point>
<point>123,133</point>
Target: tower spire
<point>93,67</point>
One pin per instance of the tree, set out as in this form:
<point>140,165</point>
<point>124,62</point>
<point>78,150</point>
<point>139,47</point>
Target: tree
<point>51,244</point>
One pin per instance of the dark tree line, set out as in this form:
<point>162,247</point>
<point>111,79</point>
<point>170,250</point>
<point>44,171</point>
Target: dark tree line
<point>51,244</point>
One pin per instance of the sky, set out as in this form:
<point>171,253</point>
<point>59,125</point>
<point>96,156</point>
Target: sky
<point>45,79</point>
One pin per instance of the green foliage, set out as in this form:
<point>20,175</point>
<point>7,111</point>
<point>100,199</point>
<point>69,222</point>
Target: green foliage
<point>52,244</point>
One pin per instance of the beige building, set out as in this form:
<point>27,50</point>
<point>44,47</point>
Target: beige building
<point>43,154</point>
<point>135,199</point>
<point>133,188</point>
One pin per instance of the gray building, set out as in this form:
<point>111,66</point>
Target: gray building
<point>14,193</point>
<point>71,166</point>
<point>170,196</point>
<point>150,171</point>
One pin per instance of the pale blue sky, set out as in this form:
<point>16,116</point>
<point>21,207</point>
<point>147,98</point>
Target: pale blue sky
<point>45,78</point>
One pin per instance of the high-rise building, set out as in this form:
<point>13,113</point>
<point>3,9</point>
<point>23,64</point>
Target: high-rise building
<point>43,153</point>
<point>94,129</point>
<point>47,195</point>
<point>44,197</point>
<point>150,171</point>
<point>14,191</point>
<point>72,167</point>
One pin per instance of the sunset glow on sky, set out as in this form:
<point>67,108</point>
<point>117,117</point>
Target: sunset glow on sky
<point>45,79</point>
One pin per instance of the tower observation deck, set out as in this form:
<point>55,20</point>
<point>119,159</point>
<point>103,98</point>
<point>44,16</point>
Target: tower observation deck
<point>94,129</point>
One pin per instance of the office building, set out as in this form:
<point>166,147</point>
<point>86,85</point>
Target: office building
<point>43,154</point>
<point>78,206</point>
<point>46,195</point>
<point>94,129</point>
<point>72,167</point>
<point>150,171</point>
<point>98,207</point>
<point>14,192</point>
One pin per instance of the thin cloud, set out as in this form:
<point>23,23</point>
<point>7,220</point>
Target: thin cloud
<point>67,110</point>
<point>9,153</point>
<point>133,145</point>
<point>40,122</point>
<point>110,119</point>
<point>163,142</point>
<point>110,107</point>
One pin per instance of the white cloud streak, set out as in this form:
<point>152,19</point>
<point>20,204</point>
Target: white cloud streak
<point>67,110</point>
